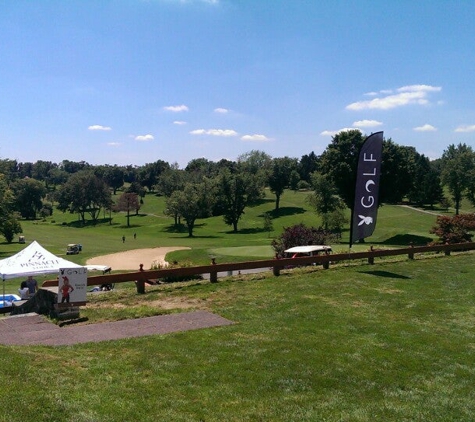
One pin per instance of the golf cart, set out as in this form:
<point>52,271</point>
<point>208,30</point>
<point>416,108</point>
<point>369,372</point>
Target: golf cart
<point>310,250</point>
<point>303,251</point>
<point>73,249</point>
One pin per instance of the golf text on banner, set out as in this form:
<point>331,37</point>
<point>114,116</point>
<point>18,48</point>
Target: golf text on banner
<point>365,208</point>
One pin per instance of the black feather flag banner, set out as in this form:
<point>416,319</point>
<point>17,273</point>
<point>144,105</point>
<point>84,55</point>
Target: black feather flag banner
<point>365,208</point>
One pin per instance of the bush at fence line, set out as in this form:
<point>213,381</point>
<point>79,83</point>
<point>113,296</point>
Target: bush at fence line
<point>170,279</point>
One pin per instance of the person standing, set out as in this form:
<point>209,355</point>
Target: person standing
<point>32,285</point>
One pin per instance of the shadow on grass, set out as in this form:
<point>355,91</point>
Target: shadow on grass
<point>179,228</point>
<point>125,226</point>
<point>182,229</point>
<point>88,223</point>
<point>285,211</point>
<point>407,239</point>
<point>262,201</point>
<point>248,231</point>
<point>386,274</point>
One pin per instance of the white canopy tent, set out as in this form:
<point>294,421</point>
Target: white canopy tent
<point>33,260</point>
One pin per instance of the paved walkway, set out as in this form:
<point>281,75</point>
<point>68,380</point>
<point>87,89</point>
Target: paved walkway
<point>33,329</point>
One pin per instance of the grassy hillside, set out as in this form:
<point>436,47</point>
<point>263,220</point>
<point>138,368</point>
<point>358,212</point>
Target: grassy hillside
<point>153,228</point>
<point>388,342</point>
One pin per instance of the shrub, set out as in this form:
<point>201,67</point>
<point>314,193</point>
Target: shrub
<point>301,235</point>
<point>454,229</point>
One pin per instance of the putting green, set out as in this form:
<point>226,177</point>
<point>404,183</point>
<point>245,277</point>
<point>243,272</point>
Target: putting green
<point>260,251</point>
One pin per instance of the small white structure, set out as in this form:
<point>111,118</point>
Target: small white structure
<point>33,260</point>
<point>310,250</point>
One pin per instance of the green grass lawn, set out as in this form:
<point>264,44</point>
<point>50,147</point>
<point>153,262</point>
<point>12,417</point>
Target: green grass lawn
<point>389,342</point>
<point>396,226</point>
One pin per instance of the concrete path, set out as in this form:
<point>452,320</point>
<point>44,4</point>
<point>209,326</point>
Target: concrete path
<point>34,329</point>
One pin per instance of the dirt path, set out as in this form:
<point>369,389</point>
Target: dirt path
<point>418,209</point>
<point>131,260</point>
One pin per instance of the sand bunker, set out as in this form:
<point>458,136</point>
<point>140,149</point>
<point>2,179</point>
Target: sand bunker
<point>131,260</point>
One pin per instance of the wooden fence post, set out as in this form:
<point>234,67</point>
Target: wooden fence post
<point>371,258</point>
<point>213,275</point>
<point>275,268</point>
<point>140,283</point>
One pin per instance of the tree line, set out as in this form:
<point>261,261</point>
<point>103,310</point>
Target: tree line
<point>205,188</point>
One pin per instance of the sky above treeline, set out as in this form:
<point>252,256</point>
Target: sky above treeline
<point>136,81</point>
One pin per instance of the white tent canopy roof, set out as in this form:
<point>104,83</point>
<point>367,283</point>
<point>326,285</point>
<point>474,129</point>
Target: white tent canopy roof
<point>33,260</point>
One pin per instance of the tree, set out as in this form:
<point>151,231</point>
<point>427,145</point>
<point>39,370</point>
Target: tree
<point>83,193</point>
<point>41,170</point>
<point>172,207</point>
<point>56,177</point>
<point>308,164</point>
<point>72,167</point>
<point>128,201</point>
<point>235,192</point>
<point>148,174</point>
<point>194,201</point>
<point>114,177</point>
<point>294,180</point>
<point>340,161</point>
<point>258,163</point>
<point>458,166</point>
<point>28,197</point>
<point>9,168</point>
<point>171,180</point>
<point>201,167</point>
<point>324,199</point>
<point>399,172</point>
<point>279,176</point>
<point>9,225</point>
<point>136,187</point>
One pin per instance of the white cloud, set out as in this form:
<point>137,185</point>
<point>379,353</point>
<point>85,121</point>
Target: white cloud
<point>419,88</point>
<point>221,110</point>
<point>255,138</point>
<point>144,138</point>
<point>334,132</point>
<point>465,128</point>
<point>367,123</point>
<point>114,144</point>
<point>214,132</point>
<point>425,128</point>
<point>179,122</point>
<point>406,95</point>
<point>99,127</point>
<point>176,109</point>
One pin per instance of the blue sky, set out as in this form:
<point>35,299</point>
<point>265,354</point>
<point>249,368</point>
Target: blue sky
<point>135,81</point>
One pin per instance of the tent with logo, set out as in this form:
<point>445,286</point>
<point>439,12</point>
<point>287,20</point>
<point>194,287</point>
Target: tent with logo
<point>33,260</point>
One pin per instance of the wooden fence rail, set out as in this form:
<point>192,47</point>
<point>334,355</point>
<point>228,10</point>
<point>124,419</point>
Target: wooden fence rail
<point>142,276</point>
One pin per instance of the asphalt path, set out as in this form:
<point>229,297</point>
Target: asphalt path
<point>34,329</point>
